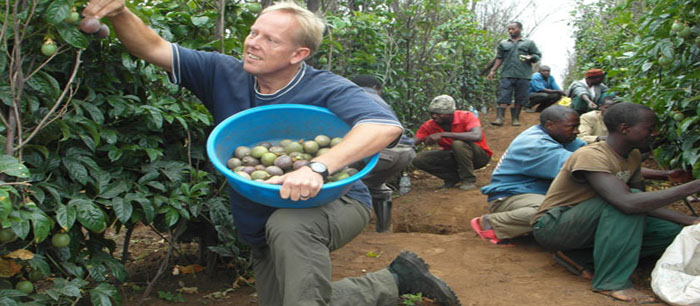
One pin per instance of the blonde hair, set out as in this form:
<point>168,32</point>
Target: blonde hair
<point>312,26</point>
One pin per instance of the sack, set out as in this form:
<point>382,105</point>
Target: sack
<point>564,101</point>
<point>676,276</point>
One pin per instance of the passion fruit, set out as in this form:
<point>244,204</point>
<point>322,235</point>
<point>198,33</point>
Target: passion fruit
<point>241,151</point>
<point>300,163</point>
<point>25,286</point>
<point>274,171</point>
<point>233,162</point>
<point>72,17</point>
<point>284,162</point>
<point>243,174</point>
<point>323,140</point>
<point>60,240</point>
<point>311,147</point>
<point>293,147</point>
<point>48,48</point>
<point>258,151</point>
<point>260,175</point>
<point>335,141</point>
<point>268,159</point>
<point>103,32</point>
<point>90,25</point>
<point>249,161</point>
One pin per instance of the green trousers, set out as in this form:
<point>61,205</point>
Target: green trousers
<point>455,165</point>
<point>598,233</point>
<point>295,268</point>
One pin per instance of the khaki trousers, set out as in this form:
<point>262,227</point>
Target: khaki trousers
<point>295,267</point>
<point>510,217</point>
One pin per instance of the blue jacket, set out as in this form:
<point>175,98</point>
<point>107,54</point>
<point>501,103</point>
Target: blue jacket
<point>537,83</point>
<point>529,164</point>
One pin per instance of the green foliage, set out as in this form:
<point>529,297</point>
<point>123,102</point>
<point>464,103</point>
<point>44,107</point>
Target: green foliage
<point>421,50</point>
<point>170,297</point>
<point>96,140</point>
<point>654,60</point>
<point>411,299</point>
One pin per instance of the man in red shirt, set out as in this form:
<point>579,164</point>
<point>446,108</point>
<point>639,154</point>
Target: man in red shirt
<point>463,144</point>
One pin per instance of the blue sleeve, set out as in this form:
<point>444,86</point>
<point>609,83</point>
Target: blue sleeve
<point>536,83</point>
<point>541,158</point>
<point>555,86</point>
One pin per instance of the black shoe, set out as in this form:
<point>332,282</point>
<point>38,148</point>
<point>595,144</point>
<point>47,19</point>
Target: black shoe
<point>448,184</point>
<point>413,277</point>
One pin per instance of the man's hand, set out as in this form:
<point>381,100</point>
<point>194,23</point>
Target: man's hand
<point>104,8</point>
<point>679,176</point>
<point>592,105</point>
<point>301,184</point>
<point>433,138</point>
<point>491,74</point>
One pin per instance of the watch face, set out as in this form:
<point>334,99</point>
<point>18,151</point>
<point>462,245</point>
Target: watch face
<point>318,167</point>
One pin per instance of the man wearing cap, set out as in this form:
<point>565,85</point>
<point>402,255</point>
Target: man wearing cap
<point>463,144</point>
<point>517,55</point>
<point>587,94</point>
<point>543,90</point>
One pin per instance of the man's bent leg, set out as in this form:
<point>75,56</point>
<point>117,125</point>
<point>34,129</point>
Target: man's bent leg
<point>438,163</point>
<point>511,216</point>
<point>298,257</point>
<point>468,156</point>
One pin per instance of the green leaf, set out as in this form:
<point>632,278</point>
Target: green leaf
<point>114,189</point>
<point>199,21</point>
<point>153,154</point>
<point>11,166</point>
<point>57,11</point>
<point>171,215</point>
<point>41,225</point>
<point>90,215</point>
<point>5,205</point>
<point>66,215</point>
<point>73,269</point>
<point>76,170</point>
<point>100,295</point>
<point>72,35</point>
<point>122,209</point>
<point>117,269</point>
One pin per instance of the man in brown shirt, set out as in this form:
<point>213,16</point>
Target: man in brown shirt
<point>595,211</point>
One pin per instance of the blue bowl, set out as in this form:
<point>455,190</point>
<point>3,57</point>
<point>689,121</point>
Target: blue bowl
<point>273,123</point>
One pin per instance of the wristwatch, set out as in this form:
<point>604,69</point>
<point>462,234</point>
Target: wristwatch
<point>319,168</point>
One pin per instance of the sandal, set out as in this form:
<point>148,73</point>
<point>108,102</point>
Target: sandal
<point>488,235</point>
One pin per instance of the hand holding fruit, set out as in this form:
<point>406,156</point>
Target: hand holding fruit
<point>679,176</point>
<point>301,184</point>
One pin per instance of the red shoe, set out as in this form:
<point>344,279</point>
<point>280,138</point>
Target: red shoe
<point>488,235</point>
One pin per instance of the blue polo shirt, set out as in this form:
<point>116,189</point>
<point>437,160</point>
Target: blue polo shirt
<point>220,82</point>
<point>537,83</point>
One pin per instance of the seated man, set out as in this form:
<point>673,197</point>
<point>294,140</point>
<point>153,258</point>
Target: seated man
<point>593,213</point>
<point>586,94</point>
<point>543,90</point>
<point>463,144</point>
<point>391,160</point>
<point>592,127</point>
<point>523,174</point>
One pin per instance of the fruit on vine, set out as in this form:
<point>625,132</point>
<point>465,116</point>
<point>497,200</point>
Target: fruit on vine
<point>665,61</point>
<point>90,25</point>
<point>48,48</point>
<point>678,117</point>
<point>254,7</point>
<point>7,235</point>
<point>677,26</point>
<point>36,275</point>
<point>103,32</point>
<point>685,32</point>
<point>60,240</point>
<point>25,286</point>
<point>73,17</point>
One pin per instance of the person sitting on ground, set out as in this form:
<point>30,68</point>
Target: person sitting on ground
<point>463,144</point>
<point>586,94</point>
<point>592,128</point>
<point>290,248</point>
<point>595,210</point>
<point>522,176</point>
<point>391,160</point>
<point>543,90</point>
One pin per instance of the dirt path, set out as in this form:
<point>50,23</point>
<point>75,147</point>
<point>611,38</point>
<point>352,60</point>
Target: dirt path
<point>434,224</point>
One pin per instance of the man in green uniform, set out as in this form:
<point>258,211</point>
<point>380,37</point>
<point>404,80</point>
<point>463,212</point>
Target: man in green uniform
<point>516,54</point>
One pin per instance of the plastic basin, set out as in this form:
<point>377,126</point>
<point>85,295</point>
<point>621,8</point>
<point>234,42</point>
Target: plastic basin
<point>273,123</point>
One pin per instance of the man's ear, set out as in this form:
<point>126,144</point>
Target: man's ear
<point>623,128</point>
<point>299,55</point>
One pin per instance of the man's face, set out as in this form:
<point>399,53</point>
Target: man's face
<point>271,47</point>
<point>513,30</point>
<point>595,80</point>
<point>544,73</point>
<point>442,118</point>
<point>643,133</point>
<point>563,131</point>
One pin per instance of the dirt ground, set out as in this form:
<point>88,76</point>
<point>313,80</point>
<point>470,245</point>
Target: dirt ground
<point>432,223</point>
